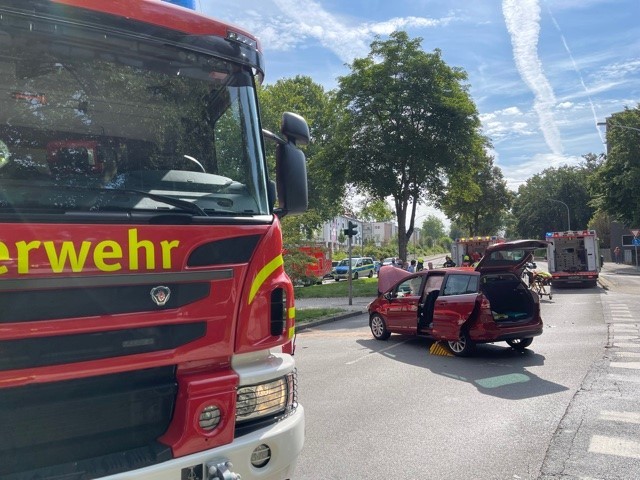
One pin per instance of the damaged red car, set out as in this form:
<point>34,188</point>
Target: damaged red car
<point>462,306</point>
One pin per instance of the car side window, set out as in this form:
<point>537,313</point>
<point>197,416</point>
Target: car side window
<point>410,287</point>
<point>460,284</point>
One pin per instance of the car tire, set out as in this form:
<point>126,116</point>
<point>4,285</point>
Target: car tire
<point>520,343</point>
<point>463,347</point>
<point>355,276</point>
<point>378,327</point>
<point>337,279</point>
<point>370,274</point>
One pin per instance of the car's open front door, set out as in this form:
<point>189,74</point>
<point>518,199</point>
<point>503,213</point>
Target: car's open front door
<point>455,304</point>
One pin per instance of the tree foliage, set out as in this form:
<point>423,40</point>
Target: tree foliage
<point>615,184</point>
<point>537,208</point>
<point>411,123</point>
<point>326,179</point>
<point>479,201</point>
<point>375,210</point>
<point>433,227</point>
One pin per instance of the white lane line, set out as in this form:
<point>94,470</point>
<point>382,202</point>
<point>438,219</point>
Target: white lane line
<point>624,337</point>
<point>634,365</point>
<point>628,345</point>
<point>627,354</point>
<point>624,378</point>
<point>378,352</point>
<point>620,447</point>
<point>623,328</point>
<point>626,417</point>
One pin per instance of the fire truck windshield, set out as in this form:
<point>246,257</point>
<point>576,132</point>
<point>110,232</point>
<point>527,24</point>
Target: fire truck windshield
<point>81,112</point>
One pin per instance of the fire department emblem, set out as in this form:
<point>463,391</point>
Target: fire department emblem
<point>160,295</point>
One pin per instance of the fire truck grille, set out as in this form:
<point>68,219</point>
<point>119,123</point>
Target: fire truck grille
<point>46,351</point>
<point>34,305</point>
<point>87,428</point>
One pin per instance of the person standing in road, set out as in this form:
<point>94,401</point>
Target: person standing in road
<point>616,254</point>
<point>412,267</point>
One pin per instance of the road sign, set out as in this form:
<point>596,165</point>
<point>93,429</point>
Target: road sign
<point>636,242</point>
<point>635,232</point>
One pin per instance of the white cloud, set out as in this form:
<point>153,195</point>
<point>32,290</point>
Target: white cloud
<point>565,105</point>
<point>518,174</point>
<point>293,26</point>
<point>522,18</point>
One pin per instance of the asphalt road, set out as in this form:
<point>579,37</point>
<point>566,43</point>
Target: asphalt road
<point>378,410</point>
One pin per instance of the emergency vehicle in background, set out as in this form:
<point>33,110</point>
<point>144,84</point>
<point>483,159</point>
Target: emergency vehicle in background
<point>147,321</point>
<point>318,266</point>
<point>470,246</point>
<point>573,257</point>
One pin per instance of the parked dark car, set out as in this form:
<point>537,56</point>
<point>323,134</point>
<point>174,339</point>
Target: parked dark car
<point>463,306</point>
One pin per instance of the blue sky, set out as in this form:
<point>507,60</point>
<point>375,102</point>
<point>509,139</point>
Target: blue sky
<point>541,72</point>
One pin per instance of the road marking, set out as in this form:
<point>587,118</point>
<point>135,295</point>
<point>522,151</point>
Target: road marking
<point>626,417</point>
<point>620,447</point>
<point>625,337</point>
<point>634,365</point>
<point>376,352</point>
<point>624,378</point>
<point>623,327</point>
<point>627,345</point>
<point>627,354</point>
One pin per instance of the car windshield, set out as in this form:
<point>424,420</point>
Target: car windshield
<point>79,123</point>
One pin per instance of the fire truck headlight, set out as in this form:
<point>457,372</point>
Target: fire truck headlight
<point>265,399</point>
<point>209,417</point>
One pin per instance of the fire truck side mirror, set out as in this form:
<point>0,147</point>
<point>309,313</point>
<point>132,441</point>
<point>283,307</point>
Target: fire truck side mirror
<point>291,166</point>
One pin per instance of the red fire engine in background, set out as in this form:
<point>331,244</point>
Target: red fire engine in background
<point>472,247</point>
<point>145,309</point>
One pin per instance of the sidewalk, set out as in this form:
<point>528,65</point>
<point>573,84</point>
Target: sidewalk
<point>611,272</point>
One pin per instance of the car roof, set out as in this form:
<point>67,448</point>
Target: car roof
<point>389,276</point>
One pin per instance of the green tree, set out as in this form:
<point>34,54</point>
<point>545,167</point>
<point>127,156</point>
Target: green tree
<point>326,179</point>
<point>479,201</point>
<point>375,210</point>
<point>411,122</point>
<point>615,184</point>
<point>537,208</point>
<point>433,227</point>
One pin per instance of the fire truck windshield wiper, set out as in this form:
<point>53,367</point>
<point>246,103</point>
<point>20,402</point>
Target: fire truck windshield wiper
<point>174,202</point>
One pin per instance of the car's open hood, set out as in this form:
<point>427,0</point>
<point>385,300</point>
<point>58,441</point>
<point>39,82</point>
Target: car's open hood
<point>389,275</point>
<point>508,256</point>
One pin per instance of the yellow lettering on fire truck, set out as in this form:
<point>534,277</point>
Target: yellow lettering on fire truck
<point>107,255</point>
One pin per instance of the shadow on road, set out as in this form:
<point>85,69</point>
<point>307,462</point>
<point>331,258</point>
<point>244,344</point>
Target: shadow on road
<point>495,370</point>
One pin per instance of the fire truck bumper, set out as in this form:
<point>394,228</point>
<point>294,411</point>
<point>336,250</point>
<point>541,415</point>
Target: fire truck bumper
<point>284,441</point>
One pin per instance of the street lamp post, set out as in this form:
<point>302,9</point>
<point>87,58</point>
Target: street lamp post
<point>567,207</point>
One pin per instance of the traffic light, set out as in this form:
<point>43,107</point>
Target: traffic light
<point>352,230</point>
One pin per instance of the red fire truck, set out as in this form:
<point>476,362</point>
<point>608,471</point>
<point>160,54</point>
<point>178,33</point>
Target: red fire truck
<point>471,247</point>
<point>146,316</point>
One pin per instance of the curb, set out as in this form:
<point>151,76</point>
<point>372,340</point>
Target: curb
<point>322,321</point>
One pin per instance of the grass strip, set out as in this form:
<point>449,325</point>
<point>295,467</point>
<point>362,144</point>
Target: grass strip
<point>308,314</point>
<point>363,287</point>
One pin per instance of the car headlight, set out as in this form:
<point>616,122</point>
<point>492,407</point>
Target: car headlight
<point>266,399</point>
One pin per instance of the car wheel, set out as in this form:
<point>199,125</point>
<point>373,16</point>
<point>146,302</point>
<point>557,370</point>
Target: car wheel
<point>378,327</point>
<point>520,343</point>
<point>337,279</point>
<point>463,346</point>
<point>370,274</point>
<point>355,276</point>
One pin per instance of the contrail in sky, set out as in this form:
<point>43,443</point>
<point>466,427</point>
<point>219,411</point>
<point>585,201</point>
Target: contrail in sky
<point>522,18</point>
<point>575,67</point>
